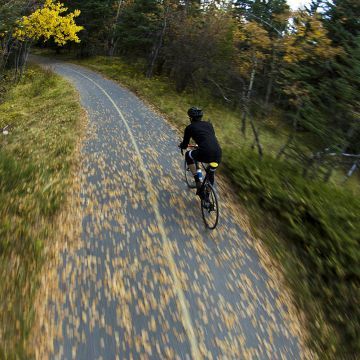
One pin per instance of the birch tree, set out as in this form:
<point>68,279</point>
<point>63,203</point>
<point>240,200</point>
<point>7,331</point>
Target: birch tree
<point>252,43</point>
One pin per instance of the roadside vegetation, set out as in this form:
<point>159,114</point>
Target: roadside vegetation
<point>37,156</point>
<point>39,129</point>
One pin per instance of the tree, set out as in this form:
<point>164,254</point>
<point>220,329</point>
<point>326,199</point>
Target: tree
<point>139,26</point>
<point>166,11</point>
<point>272,15</point>
<point>308,52</point>
<point>48,22</point>
<point>10,13</point>
<point>198,47</point>
<point>97,18</point>
<point>44,23</point>
<point>251,43</point>
<point>341,18</point>
<point>113,39</point>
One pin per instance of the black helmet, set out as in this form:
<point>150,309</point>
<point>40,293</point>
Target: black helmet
<point>195,112</point>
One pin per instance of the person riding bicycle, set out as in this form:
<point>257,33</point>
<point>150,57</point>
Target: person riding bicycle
<point>208,150</point>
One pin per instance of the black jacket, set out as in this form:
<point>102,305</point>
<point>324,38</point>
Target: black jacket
<point>203,133</point>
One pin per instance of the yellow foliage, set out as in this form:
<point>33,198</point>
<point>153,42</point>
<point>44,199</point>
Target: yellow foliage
<point>252,43</point>
<point>308,40</point>
<point>49,22</point>
<point>254,36</point>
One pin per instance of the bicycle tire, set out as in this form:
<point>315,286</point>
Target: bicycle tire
<point>189,177</point>
<point>214,208</point>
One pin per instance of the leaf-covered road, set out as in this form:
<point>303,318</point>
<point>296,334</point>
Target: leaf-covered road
<point>146,280</point>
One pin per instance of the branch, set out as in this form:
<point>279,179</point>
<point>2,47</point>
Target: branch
<point>326,152</point>
<point>357,156</point>
<point>220,89</point>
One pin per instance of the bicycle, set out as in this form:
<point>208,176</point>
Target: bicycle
<point>209,199</point>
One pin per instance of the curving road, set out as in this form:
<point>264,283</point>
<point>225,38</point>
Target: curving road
<point>147,281</point>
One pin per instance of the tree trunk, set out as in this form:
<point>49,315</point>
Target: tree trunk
<point>271,80</point>
<point>112,41</point>
<point>328,174</point>
<point>256,136</point>
<point>18,54</point>
<point>268,91</point>
<point>292,133</point>
<point>156,49</point>
<point>351,171</point>
<point>24,58</point>
<point>8,48</point>
<point>308,166</point>
<point>247,99</point>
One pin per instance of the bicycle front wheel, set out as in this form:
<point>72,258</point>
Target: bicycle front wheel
<point>189,177</point>
<point>210,207</point>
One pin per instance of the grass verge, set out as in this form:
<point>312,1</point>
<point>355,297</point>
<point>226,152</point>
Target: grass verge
<point>311,228</point>
<point>36,159</point>
<point>318,246</point>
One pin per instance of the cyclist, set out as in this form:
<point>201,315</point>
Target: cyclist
<point>208,150</point>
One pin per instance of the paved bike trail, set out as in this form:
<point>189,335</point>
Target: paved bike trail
<point>147,280</point>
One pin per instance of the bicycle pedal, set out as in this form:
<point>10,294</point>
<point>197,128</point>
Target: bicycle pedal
<point>206,205</point>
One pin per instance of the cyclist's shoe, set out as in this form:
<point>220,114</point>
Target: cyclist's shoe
<point>207,194</point>
<point>206,204</point>
<point>199,191</point>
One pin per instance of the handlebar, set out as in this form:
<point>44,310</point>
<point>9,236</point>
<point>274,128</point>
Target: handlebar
<point>190,146</point>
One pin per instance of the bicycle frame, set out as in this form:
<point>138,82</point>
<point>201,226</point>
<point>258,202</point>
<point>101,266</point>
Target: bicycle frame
<point>207,193</point>
<point>206,168</point>
<point>207,172</point>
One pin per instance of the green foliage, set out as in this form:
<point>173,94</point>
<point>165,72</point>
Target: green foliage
<point>309,66</point>
<point>269,12</point>
<point>138,28</point>
<point>35,161</point>
<point>95,17</point>
<point>197,49</point>
<point>342,82</point>
<point>321,222</point>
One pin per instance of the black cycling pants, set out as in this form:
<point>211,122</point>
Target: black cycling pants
<point>200,155</point>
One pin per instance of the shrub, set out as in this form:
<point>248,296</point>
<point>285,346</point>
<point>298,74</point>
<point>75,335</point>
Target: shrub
<point>322,222</point>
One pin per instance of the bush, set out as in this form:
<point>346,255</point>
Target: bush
<point>322,223</point>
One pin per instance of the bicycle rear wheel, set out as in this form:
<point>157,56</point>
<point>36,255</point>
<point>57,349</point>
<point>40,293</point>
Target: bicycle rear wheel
<point>210,207</point>
<point>189,177</point>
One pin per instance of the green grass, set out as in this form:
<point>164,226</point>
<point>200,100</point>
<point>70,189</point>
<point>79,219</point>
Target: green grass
<point>310,227</point>
<point>35,162</point>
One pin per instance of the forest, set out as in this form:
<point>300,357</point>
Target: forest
<point>280,71</point>
<point>253,56</point>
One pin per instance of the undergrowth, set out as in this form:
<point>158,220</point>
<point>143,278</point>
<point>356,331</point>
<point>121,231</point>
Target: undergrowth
<point>43,114</point>
<point>319,244</point>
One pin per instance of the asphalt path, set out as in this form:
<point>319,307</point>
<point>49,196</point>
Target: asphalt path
<point>148,281</point>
